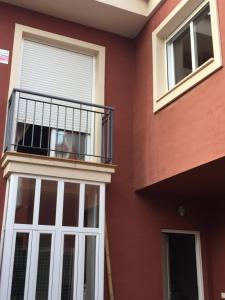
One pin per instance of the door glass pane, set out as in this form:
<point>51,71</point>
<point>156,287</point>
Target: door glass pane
<point>89,268</point>
<point>19,267</point>
<point>68,268</point>
<point>71,204</point>
<point>182,55</point>
<point>44,258</point>
<point>203,36</point>
<point>48,202</point>
<point>70,144</point>
<point>91,206</point>
<point>25,201</point>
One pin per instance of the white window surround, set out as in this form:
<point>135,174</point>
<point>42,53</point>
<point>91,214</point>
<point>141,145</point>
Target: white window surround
<point>183,12</point>
<point>59,41</point>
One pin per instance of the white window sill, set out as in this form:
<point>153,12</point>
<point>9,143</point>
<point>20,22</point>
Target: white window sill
<point>188,82</point>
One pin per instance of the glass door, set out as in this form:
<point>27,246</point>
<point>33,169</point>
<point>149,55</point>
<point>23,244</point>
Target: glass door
<point>54,240</point>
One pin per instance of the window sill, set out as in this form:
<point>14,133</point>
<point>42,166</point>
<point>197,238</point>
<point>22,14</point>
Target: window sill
<point>187,83</point>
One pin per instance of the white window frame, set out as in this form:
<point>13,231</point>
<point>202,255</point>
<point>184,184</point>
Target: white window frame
<point>188,24</point>
<point>182,13</point>
<point>58,231</point>
<point>198,254</point>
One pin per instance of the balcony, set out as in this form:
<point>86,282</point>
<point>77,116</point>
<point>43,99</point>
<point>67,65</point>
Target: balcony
<point>46,125</point>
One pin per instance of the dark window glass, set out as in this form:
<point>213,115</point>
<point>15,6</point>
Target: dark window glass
<point>182,55</point>
<point>89,268</point>
<point>203,36</point>
<point>91,206</point>
<point>44,258</point>
<point>25,201</point>
<point>20,266</point>
<point>68,268</point>
<point>48,202</point>
<point>71,204</point>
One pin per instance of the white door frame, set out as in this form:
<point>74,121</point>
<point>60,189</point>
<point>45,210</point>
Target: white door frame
<point>57,231</point>
<point>198,254</point>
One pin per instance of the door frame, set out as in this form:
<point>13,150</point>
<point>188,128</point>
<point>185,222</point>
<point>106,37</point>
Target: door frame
<point>198,255</point>
<point>10,229</point>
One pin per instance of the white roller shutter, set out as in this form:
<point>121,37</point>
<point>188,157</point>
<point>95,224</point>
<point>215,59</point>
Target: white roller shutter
<point>57,72</point>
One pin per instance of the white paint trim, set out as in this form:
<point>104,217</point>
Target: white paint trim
<point>183,12</point>
<point>57,232</point>
<point>198,257</point>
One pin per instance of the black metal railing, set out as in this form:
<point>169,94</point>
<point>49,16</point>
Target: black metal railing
<point>55,126</point>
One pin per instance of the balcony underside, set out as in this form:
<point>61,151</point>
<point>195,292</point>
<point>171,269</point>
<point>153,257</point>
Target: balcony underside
<point>205,181</point>
<point>27,164</point>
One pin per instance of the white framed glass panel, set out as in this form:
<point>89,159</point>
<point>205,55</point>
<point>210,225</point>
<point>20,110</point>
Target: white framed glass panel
<point>90,268</point>
<point>48,198</point>
<point>25,201</point>
<point>20,266</point>
<point>43,268</point>
<point>68,271</point>
<point>71,204</point>
<point>190,47</point>
<point>91,206</point>
<point>203,37</point>
<point>55,251</point>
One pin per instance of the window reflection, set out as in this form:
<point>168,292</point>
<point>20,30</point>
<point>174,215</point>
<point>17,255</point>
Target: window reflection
<point>48,199</point>
<point>91,206</point>
<point>25,201</point>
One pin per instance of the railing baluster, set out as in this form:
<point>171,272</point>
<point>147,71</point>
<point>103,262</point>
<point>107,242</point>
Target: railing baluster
<point>94,135</point>
<point>64,132</point>
<point>25,123</point>
<point>72,134</point>
<point>49,127</point>
<point>79,134</point>
<point>32,137</point>
<point>86,136</point>
<point>57,131</point>
<point>42,120</point>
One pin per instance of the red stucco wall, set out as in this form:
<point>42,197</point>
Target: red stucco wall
<point>187,133</point>
<point>155,146</point>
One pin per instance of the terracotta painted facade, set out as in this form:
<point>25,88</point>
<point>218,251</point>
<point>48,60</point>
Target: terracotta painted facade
<point>153,154</point>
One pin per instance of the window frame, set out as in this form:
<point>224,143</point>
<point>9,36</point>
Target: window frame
<point>178,17</point>
<point>187,24</point>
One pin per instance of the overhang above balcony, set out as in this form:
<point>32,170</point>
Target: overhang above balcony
<point>125,18</point>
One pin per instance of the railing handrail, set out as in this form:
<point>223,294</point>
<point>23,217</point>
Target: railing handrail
<point>39,136</point>
<point>62,99</point>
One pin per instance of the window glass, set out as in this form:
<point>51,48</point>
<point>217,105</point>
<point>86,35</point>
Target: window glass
<point>190,47</point>
<point>67,290</point>
<point>182,55</point>
<point>89,268</point>
<point>25,201</point>
<point>20,266</point>
<point>91,206</point>
<point>43,271</point>
<point>203,36</point>
<point>48,199</point>
<point>70,144</point>
<point>71,204</point>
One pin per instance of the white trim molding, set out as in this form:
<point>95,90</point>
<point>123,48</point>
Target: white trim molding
<point>60,41</point>
<point>186,9</point>
<point>198,254</point>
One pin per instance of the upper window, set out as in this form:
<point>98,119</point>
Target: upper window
<point>190,47</point>
<point>186,49</point>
